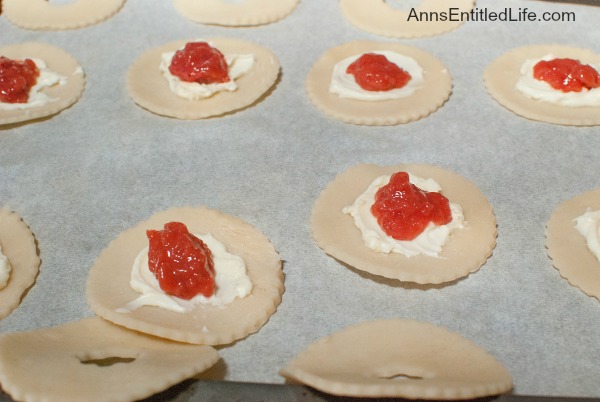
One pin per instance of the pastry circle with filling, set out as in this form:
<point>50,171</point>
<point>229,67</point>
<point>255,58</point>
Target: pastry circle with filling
<point>18,246</point>
<point>46,15</point>
<point>61,95</point>
<point>108,285</point>
<point>238,13</point>
<point>568,248</point>
<point>425,100</point>
<point>502,75</point>
<point>379,17</point>
<point>465,251</point>
<point>149,88</point>
<point>399,358</point>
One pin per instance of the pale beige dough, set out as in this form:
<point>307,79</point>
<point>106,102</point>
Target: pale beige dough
<point>43,15</point>
<point>466,250</point>
<point>149,88</point>
<point>59,364</point>
<point>108,283</point>
<point>502,75</point>
<point>399,358</point>
<point>425,100</point>
<point>58,61</point>
<point>243,13</point>
<point>567,247</point>
<point>378,17</point>
<point>18,245</point>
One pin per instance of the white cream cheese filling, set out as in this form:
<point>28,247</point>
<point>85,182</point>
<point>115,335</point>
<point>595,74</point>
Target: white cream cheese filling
<point>231,281</point>
<point>429,242</point>
<point>588,225</point>
<point>47,78</point>
<point>5,270</point>
<point>238,64</point>
<point>345,85</point>
<point>542,91</point>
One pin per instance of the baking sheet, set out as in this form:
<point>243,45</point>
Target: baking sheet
<point>83,176</point>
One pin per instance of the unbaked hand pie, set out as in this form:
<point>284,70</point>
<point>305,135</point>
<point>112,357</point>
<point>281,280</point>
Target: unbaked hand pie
<point>228,287</point>
<point>165,80</point>
<point>440,229</point>
<point>47,15</point>
<point>376,83</point>
<point>235,13</point>
<point>54,81</point>
<point>399,358</point>
<point>522,81</point>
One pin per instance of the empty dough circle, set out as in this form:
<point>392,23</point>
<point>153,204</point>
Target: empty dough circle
<point>399,358</point>
<point>466,250</point>
<point>149,88</point>
<point>62,96</point>
<point>242,13</point>
<point>57,364</point>
<point>424,101</point>
<point>568,248</point>
<point>108,286</point>
<point>502,75</point>
<point>44,15</point>
<point>18,245</point>
<point>378,17</point>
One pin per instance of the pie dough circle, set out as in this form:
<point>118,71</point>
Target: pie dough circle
<point>362,361</point>
<point>18,245</point>
<point>465,252</point>
<point>149,88</point>
<point>47,364</point>
<point>502,75</point>
<point>567,248</point>
<point>424,101</point>
<point>108,286</point>
<point>378,17</point>
<point>44,15</point>
<point>245,13</point>
<point>58,61</point>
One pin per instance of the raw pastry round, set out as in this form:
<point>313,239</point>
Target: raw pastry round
<point>149,88</point>
<point>399,358</point>
<point>244,13</point>
<point>567,247</point>
<point>43,14</point>
<point>18,245</point>
<point>93,360</point>
<point>58,61</point>
<point>436,90</point>
<point>108,283</point>
<point>502,75</point>
<point>466,250</point>
<point>378,17</point>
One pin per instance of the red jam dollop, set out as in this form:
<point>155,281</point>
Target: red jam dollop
<point>374,72</point>
<point>199,62</point>
<point>403,210</point>
<point>567,75</point>
<point>16,79</point>
<point>181,262</point>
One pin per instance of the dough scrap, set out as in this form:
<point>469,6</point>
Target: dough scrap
<point>108,282</point>
<point>378,17</point>
<point>65,363</point>
<point>426,100</point>
<point>465,252</point>
<point>567,248</point>
<point>18,244</point>
<point>244,13</point>
<point>58,61</point>
<point>149,88</point>
<point>399,358</point>
<point>44,15</point>
<point>501,78</point>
